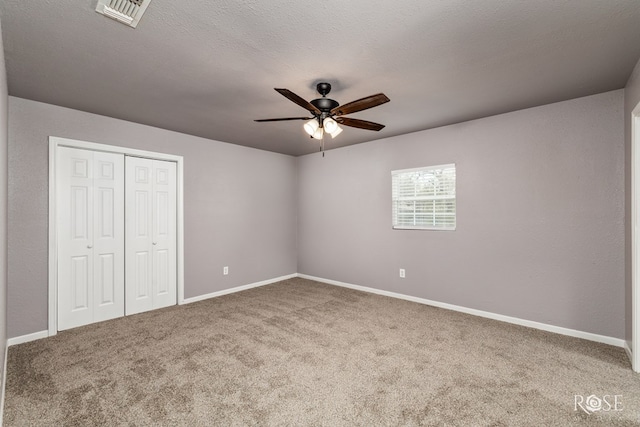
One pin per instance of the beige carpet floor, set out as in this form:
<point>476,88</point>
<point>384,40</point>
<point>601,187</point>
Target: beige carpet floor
<point>302,353</point>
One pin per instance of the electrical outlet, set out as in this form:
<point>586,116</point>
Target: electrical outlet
<point>225,270</point>
<point>402,275</point>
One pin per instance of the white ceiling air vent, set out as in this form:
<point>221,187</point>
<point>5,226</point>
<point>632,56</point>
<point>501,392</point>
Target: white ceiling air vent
<point>128,12</point>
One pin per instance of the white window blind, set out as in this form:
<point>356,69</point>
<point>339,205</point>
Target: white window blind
<point>424,198</point>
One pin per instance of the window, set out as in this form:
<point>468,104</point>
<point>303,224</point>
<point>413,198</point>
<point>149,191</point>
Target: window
<point>424,198</point>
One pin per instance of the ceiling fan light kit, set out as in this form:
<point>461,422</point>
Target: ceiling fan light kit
<point>327,113</point>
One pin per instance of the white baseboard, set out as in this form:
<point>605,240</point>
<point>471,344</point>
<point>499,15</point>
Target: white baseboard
<point>238,289</point>
<point>4,382</point>
<point>517,321</point>
<point>26,338</point>
<point>44,334</point>
<point>629,352</point>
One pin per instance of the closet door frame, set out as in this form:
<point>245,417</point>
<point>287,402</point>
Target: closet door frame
<point>54,143</point>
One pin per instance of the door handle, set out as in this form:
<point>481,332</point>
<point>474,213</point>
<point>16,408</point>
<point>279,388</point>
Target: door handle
<point>89,246</point>
<point>155,243</point>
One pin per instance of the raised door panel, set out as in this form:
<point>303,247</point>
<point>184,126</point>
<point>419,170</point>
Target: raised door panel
<point>79,209</point>
<point>161,262</point>
<point>80,283</point>
<point>142,286</point>
<point>106,281</point>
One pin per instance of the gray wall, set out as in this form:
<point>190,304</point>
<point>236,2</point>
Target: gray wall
<point>540,212</point>
<point>540,222</point>
<point>4,128</point>
<point>631,99</point>
<point>239,205</point>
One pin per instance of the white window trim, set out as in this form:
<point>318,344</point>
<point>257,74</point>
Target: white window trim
<point>424,169</point>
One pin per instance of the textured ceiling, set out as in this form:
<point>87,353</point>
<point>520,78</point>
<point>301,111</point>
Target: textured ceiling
<point>208,68</point>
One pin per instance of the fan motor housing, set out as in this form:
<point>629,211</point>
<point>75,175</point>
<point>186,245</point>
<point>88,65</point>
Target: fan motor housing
<point>325,104</point>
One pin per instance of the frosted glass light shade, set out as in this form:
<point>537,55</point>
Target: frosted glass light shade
<point>329,125</point>
<point>318,133</point>
<point>336,132</point>
<point>311,126</point>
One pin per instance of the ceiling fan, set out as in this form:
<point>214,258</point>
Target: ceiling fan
<point>327,113</point>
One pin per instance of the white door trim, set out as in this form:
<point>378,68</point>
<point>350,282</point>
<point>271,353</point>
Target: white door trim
<point>635,238</point>
<point>54,143</point>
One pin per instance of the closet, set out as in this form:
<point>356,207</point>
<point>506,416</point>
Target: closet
<point>116,235</point>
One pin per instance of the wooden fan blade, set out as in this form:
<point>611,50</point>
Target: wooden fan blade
<point>361,124</point>
<point>283,119</point>
<point>360,104</point>
<point>298,100</point>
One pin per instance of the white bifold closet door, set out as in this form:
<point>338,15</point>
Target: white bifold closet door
<point>90,217</point>
<point>150,268</point>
